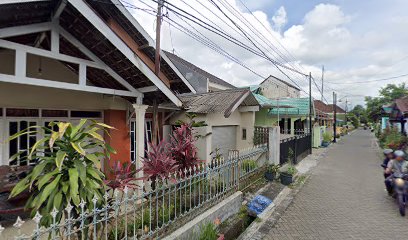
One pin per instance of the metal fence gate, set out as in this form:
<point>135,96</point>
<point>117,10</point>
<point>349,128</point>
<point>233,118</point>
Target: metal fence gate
<point>294,149</point>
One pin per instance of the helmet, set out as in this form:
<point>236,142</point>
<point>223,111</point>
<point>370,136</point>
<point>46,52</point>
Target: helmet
<point>399,153</point>
<point>387,151</point>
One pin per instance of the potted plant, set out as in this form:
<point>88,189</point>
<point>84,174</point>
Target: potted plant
<point>272,172</point>
<point>286,177</point>
<point>327,137</point>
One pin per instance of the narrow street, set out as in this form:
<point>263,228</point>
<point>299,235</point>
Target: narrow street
<point>344,198</point>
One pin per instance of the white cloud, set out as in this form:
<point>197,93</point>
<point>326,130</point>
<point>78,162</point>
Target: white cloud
<point>279,19</point>
<point>327,35</point>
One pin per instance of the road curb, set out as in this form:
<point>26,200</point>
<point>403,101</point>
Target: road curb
<point>268,218</point>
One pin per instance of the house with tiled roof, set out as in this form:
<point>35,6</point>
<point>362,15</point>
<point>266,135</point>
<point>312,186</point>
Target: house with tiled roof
<point>398,114</point>
<point>228,111</point>
<point>324,113</point>
<point>201,80</point>
<point>67,60</point>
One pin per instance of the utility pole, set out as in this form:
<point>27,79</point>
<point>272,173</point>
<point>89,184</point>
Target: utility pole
<point>345,109</point>
<point>310,111</point>
<point>335,116</point>
<point>158,28</point>
<point>322,83</point>
<point>155,126</point>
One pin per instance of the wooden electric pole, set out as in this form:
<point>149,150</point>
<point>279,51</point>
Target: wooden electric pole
<point>335,116</point>
<point>322,82</point>
<point>310,111</point>
<point>158,28</point>
<point>155,127</point>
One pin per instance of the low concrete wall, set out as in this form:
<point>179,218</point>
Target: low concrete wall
<point>223,210</point>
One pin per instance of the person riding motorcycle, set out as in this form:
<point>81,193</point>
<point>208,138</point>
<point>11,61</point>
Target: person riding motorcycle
<point>397,165</point>
<point>388,154</point>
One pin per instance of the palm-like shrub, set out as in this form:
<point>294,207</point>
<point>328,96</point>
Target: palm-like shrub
<point>182,147</point>
<point>124,176</point>
<point>158,162</point>
<point>66,171</point>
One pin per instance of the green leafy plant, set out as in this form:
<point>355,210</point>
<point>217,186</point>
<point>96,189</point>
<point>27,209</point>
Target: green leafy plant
<point>249,165</point>
<point>327,137</point>
<point>66,171</point>
<point>208,232</point>
<point>291,155</point>
<point>394,139</point>
<point>273,168</point>
<point>193,123</point>
<point>291,170</point>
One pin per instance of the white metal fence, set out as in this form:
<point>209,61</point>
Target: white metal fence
<point>148,211</point>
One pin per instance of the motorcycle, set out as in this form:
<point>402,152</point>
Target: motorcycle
<point>400,182</point>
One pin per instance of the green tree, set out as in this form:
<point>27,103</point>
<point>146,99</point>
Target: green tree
<point>360,113</point>
<point>387,94</point>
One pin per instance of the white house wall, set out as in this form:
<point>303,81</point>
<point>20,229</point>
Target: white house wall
<point>240,119</point>
<point>24,96</point>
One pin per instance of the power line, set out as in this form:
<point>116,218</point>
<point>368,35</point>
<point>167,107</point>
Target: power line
<point>376,80</point>
<point>261,36</point>
<point>217,31</point>
<point>272,61</point>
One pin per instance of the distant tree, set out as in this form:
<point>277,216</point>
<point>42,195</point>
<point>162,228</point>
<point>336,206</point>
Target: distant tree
<point>387,94</point>
<point>360,113</point>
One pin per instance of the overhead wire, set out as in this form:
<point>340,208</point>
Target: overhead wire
<point>272,61</point>
<point>211,44</point>
<point>368,81</point>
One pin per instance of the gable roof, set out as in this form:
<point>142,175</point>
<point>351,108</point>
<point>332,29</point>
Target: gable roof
<point>224,101</point>
<point>268,103</point>
<point>402,104</point>
<point>299,107</point>
<point>338,108</point>
<point>191,67</point>
<point>108,31</point>
<point>279,80</point>
<point>323,107</point>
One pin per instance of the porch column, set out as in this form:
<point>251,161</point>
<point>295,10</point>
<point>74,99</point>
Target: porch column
<point>274,145</point>
<point>140,111</point>
<point>292,126</point>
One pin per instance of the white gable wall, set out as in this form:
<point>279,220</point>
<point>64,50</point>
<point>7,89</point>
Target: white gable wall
<point>273,88</point>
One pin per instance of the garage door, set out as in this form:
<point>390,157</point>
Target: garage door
<point>224,138</point>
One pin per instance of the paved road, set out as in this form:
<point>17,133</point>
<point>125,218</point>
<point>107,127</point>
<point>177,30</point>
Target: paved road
<point>344,198</point>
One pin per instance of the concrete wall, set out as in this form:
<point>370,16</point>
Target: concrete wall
<point>240,119</point>
<point>222,211</point>
<point>272,88</point>
<point>263,119</point>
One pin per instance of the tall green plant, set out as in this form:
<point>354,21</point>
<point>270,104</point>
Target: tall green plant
<point>66,171</point>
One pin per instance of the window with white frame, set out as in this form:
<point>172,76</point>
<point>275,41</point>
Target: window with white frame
<point>18,148</point>
<point>14,120</point>
<point>148,137</point>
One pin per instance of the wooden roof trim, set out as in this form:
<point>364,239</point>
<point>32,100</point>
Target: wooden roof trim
<point>236,103</point>
<point>107,32</point>
<point>151,42</point>
<point>128,40</point>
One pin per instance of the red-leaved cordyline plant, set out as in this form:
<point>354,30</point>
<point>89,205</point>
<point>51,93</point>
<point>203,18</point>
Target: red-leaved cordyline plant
<point>158,162</point>
<point>182,147</point>
<point>124,176</point>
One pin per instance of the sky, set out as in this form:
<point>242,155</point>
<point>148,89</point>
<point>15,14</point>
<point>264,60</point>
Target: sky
<point>355,40</point>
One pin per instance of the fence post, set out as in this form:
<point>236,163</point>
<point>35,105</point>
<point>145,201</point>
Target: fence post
<point>274,145</point>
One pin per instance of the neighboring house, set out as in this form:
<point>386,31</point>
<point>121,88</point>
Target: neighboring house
<point>67,60</point>
<point>230,115</point>
<point>201,80</point>
<point>398,115</point>
<point>323,113</point>
<point>294,118</point>
<point>273,88</point>
<point>340,114</point>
